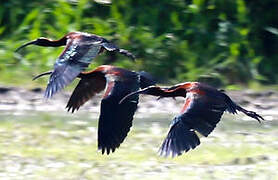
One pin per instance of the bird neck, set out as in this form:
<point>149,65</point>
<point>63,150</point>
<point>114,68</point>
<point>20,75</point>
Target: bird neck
<point>51,43</point>
<point>179,92</point>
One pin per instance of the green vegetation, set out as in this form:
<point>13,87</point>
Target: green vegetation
<point>220,42</point>
<point>38,145</point>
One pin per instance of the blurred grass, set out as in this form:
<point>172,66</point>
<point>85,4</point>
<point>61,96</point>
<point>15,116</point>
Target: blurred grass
<point>62,146</point>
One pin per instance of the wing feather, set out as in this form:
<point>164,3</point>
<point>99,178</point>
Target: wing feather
<point>115,119</point>
<point>75,58</point>
<point>203,113</point>
<point>180,139</point>
<point>200,113</point>
<point>86,89</point>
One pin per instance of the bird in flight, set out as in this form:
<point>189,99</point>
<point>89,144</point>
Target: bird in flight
<point>115,119</point>
<point>81,48</point>
<point>202,110</point>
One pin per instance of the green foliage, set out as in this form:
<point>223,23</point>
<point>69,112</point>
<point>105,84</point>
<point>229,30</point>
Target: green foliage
<point>220,42</point>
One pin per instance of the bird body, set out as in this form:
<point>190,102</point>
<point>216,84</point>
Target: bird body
<point>202,110</point>
<point>81,48</point>
<point>115,119</point>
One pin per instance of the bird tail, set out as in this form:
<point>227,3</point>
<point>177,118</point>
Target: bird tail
<point>179,139</point>
<point>233,108</point>
<point>146,79</point>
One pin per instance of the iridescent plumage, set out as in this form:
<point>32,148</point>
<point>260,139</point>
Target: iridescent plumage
<point>81,48</point>
<point>115,119</point>
<point>202,110</point>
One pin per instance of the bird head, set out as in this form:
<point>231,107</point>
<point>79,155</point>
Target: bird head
<point>40,42</point>
<point>45,42</point>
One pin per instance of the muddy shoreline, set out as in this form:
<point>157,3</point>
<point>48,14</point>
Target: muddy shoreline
<point>20,99</point>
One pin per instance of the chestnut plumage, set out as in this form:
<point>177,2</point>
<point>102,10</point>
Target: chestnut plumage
<point>81,48</point>
<point>115,119</point>
<point>203,108</point>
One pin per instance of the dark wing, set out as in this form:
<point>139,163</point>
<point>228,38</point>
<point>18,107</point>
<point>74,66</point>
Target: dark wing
<point>116,119</point>
<point>180,138</point>
<point>76,57</point>
<point>146,79</point>
<point>85,90</point>
<point>200,113</point>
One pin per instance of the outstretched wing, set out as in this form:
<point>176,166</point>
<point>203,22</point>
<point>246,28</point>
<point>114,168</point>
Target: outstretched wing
<point>76,57</point>
<point>85,90</point>
<point>180,139</point>
<point>116,119</point>
<point>200,113</point>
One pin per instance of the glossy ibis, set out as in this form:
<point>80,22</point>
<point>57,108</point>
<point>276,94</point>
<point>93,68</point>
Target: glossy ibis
<point>81,48</point>
<point>115,119</point>
<point>203,108</point>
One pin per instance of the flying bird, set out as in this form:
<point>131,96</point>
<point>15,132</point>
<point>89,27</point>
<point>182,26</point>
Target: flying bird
<point>203,108</point>
<point>81,48</point>
<point>115,119</point>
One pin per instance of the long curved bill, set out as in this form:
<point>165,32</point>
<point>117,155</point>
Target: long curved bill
<point>132,94</point>
<point>42,74</point>
<point>151,90</point>
<point>26,44</point>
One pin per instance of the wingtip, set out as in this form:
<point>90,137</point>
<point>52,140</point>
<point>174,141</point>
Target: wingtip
<point>54,86</point>
<point>70,109</point>
<point>47,95</point>
<point>166,152</point>
<point>104,150</point>
<point>180,139</point>
<point>49,92</point>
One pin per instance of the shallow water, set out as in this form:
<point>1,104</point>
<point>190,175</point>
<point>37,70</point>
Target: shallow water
<point>60,145</point>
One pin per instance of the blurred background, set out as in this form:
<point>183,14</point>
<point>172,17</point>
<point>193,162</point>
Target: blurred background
<point>230,44</point>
